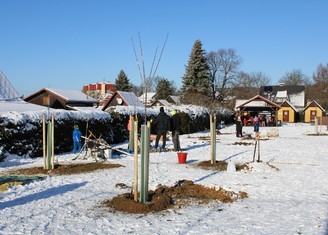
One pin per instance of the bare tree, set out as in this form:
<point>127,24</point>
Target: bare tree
<point>319,90</point>
<point>295,78</point>
<point>223,66</point>
<point>248,84</point>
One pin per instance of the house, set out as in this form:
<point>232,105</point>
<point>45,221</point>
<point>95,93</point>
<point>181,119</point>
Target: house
<point>280,93</point>
<point>258,105</point>
<point>287,112</point>
<point>160,102</point>
<point>123,98</point>
<point>96,90</point>
<point>172,99</point>
<point>148,98</point>
<point>61,99</point>
<point>313,110</point>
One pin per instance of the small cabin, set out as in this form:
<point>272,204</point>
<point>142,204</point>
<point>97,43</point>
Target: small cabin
<point>287,112</point>
<point>313,110</point>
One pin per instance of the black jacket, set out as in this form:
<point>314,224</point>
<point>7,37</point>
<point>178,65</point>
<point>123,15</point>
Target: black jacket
<point>175,123</point>
<point>162,121</point>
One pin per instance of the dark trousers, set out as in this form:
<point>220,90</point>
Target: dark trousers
<point>158,136</point>
<point>176,141</point>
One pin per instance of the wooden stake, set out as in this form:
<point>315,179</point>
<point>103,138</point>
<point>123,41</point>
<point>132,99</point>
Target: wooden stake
<point>258,156</point>
<point>135,185</point>
<point>44,140</point>
<point>52,142</point>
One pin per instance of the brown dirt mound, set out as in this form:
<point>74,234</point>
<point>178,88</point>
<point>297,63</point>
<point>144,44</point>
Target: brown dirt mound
<point>242,143</point>
<point>319,134</point>
<point>65,169</point>
<point>221,166</point>
<point>182,193</point>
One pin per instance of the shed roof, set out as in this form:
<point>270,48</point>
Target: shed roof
<point>67,95</point>
<point>258,101</point>
<point>129,99</point>
<point>313,103</point>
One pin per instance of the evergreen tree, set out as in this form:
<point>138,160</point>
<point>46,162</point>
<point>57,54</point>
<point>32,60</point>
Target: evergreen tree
<point>195,82</point>
<point>122,82</point>
<point>164,89</point>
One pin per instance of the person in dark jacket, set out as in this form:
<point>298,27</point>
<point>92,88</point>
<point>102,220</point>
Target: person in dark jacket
<point>162,123</point>
<point>239,127</point>
<point>77,144</point>
<point>175,128</point>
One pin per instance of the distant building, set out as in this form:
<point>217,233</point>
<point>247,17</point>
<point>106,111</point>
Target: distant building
<point>161,102</point>
<point>123,98</point>
<point>287,112</point>
<point>295,95</point>
<point>96,90</point>
<point>313,110</point>
<point>61,99</point>
<point>172,99</point>
<point>148,98</point>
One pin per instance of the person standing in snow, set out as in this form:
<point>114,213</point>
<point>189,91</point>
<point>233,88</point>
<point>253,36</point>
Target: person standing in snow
<point>256,124</point>
<point>239,127</point>
<point>175,128</point>
<point>77,144</point>
<point>162,123</point>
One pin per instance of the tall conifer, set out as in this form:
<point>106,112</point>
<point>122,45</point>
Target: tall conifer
<point>122,82</point>
<point>195,81</point>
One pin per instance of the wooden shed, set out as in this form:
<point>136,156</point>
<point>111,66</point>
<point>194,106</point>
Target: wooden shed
<point>257,105</point>
<point>287,112</point>
<point>160,102</point>
<point>61,99</point>
<point>123,98</point>
<point>313,110</point>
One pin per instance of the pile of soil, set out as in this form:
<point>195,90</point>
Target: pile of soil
<point>65,169</point>
<point>242,143</point>
<point>222,166</point>
<point>184,192</point>
<point>319,134</point>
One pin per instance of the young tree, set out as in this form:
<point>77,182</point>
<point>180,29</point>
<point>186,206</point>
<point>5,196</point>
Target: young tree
<point>122,83</point>
<point>164,89</point>
<point>195,82</point>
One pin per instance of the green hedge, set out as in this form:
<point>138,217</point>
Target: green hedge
<point>24,137</point>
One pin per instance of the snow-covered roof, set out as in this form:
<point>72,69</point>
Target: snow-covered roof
<point>281,94</point>
<point>69,95</point>
<point>161,102</point>
<point>314,103</point>
<point>150,97</point>
<point>176,99</point>
<point>257,101</point>
<point>297,99</point>
<point>289,104</point>
<point>19,106</point>
<point>130,98</point>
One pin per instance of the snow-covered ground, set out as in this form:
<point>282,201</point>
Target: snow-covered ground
<point>291,200</point>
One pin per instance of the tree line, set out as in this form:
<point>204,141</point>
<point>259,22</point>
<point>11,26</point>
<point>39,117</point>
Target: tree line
<point>214,79</point>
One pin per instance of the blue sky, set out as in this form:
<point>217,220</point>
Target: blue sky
<point>70,43</point>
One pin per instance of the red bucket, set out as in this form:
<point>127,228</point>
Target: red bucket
<point>182,157</point>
